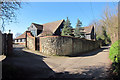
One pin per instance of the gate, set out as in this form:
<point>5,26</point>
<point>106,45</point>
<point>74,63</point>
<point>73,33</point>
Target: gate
<point>37,44</point>
<point>7,45</point>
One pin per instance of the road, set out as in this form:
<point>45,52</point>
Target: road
<point>33,64</point>
<point>92,65</point>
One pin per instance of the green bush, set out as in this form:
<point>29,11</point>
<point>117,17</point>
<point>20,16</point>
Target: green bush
<point>115,52</point>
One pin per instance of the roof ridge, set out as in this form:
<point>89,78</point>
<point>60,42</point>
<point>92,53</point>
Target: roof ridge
<point>21,35</point>
<point>89,26</point>
<point>36,24</point>
<point>48,22</point>
<point>54,21</point>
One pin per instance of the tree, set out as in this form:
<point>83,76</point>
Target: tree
<point>79,23</point>
<point>105,36</point>
<point>110,21</point>
<point>67,28</point>
<point>79,31</point>
<point>7,11</point>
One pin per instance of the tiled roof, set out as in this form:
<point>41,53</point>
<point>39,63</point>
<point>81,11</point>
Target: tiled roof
<point>22,36</point>
<point>45,33</point>
<point>50,27</point>
<point>88,29</point>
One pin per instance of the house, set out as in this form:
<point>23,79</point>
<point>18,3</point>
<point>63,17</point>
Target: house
<point>37,30</point>
<point>52,28</point>
<point>21,39</point>
<point>90,32</point>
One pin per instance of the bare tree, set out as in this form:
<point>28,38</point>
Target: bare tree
<point>110,22</point>
<point>7,11</point>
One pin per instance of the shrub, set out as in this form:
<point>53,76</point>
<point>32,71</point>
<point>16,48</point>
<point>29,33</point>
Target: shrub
<point>115,52</point>
<point>114,55</point>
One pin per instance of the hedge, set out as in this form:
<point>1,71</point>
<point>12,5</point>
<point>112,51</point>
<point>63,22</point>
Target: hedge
<point>115,51</point>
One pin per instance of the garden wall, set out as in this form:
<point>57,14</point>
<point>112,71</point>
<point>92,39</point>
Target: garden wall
<point>62,45</point>
<point>30,42</point>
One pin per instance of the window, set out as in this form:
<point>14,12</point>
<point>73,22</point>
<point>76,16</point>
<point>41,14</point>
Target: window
<point>23,40</point>
<point>16,40</point>
<point>20,40</point>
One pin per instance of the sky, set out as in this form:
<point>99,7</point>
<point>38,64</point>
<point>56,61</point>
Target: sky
<point>44,12</point>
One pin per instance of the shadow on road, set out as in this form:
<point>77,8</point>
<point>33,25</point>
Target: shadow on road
<point>25,65</point>
<point>90,73</point>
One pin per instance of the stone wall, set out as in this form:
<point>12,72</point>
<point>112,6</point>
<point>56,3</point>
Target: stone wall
<point>0,43</point>
<point>30,42</point>
<point>61,45</point>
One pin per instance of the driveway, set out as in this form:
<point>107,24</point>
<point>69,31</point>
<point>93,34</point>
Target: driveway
<point>91,65</point>
<point>33,64</point>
